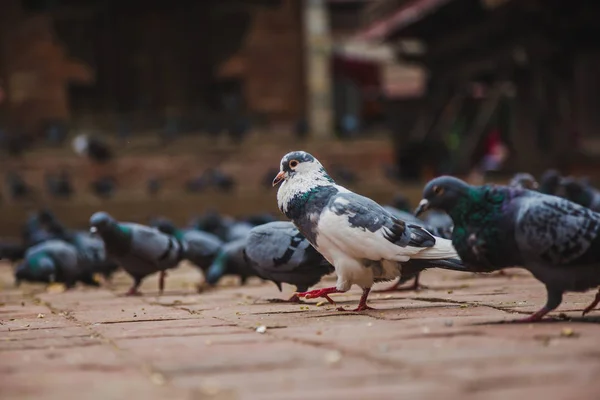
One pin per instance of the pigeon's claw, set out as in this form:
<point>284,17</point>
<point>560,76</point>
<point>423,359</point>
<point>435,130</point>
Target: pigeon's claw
<point>535,317</point>
<point>313,294</point>
<point>593,304</point>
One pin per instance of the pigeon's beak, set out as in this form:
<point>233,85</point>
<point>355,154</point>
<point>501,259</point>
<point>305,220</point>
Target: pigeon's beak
<point>280,176</point>
<point>93,230</point>
<point>422,207</point>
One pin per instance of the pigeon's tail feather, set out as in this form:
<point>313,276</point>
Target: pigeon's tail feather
<point>453,264</point>
<point>442,248</point>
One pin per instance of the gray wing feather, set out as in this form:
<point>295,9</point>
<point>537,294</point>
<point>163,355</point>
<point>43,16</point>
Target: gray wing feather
<point>555,230</point>
<point>364,213</point>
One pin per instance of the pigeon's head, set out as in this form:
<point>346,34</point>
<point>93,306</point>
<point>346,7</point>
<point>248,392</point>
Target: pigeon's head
<point>299,164</point>
<point>550,181</point>
<point>100,222</point>
<point>164,225</point>
<point>442,193</point>
<point>573,189</point>
<point>524,180</point>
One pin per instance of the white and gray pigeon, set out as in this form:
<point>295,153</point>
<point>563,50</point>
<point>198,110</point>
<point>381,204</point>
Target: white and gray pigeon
<point>56,261</point>
<point>139,249</point>
<point>278,252</point>
<point>363,241</point>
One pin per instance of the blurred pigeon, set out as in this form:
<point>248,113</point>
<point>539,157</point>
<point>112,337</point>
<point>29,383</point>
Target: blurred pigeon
<point>550,182</point>
<point>104,187</point>
<point>55,261</point>
<point>12,251</point>
<point>59,186</point>
<point>226,228</point>
<point>278,252</point>
<point>18,189</point>
<point>364,242</point>
<point>497,227</point>
<point>196,185</point>
<point>153,186</point>
<point>230,261</point>
<point>220,180</point>
<point>93,148</point>
<point>139,249</point>
<point>581,193</point>
<point>93,253</point>
<point>201,248</point>
<point>260,219</point>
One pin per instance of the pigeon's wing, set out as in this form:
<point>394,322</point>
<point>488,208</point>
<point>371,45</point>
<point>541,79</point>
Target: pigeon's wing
<point>556,231</point>
<point>363,229</point>
<point>201,243</point>
<point>276,246</point>
<point>155,247</point>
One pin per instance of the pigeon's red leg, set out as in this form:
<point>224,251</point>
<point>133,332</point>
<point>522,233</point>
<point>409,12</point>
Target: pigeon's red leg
<point>161,281</point>
<point>593,305</point>
<point>362,304</point>
<point>554,300</point>
<point>133,291</point>
<point>535,317</point>
<point>320,293</point>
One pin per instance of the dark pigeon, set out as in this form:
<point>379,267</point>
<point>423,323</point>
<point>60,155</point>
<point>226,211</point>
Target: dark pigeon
<point>278,252</point>
<point>201,248</point>
<point>498,227</point>
<point>550,182</point>
<point>226,228</point>
<point>18,189</point>
<point>230,261</point>
<point>140,250</point>
<point>59,186</point>
<point>581,192</point>
<point>12,251</point>
<point>55,261</point>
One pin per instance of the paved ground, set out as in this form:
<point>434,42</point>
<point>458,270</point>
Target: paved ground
<point>447,342</point>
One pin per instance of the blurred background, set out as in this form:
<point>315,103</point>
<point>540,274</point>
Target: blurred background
<point>147,107</point>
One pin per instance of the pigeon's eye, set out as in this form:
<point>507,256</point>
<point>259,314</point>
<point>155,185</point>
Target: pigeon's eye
<point>437,190</point>
<point>293,164</point>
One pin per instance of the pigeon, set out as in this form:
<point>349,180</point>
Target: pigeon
<point>550,182</point>
<point>497,227</point>
<point>230,261</point>
<point>524,180</point>
<point>581,193</point>
<point>93,253</point>
<point>139,249</point>
<point>17,187</point>
<point>278,252</point>
<point>12,251</point>
<point>226,228</point>
<point>104,187</point>
<point>364,242</point>
<point>55,261</point>
<point>201,247</point>
<point>92,147</point>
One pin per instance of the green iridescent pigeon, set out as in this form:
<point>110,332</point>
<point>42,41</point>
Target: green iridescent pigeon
<point>496,227</point>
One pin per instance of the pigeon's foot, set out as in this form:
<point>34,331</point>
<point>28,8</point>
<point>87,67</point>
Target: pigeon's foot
<point>133,292</point>
<point>535,317</point>
<point>313,294</point>
<point>362,304</point>
<point>294,299</point>
<point>593,305</point>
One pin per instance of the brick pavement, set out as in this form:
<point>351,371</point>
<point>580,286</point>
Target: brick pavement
<point>449,341</point>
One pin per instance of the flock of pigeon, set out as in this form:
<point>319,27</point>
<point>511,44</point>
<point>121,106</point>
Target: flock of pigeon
<point>551,229</point>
